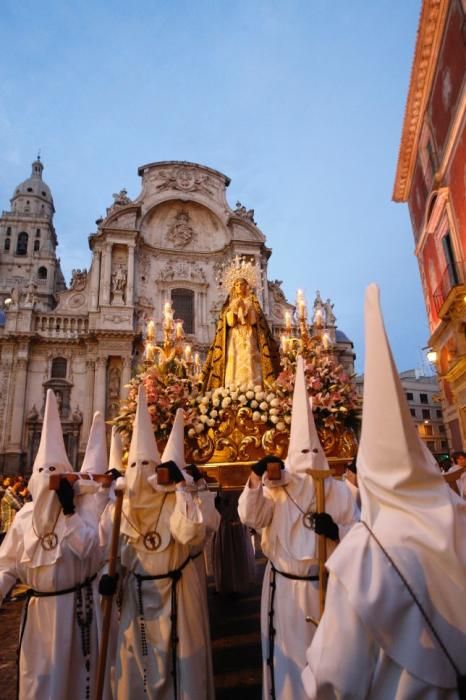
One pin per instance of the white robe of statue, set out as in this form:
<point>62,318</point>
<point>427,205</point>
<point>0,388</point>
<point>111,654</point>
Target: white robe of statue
<point>291,547</point>
<point>51,662</point>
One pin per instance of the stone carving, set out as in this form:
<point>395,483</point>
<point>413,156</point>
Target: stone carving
<point>15,296</point>
<point>278,294</point>
<point>76,300</point>
<point>33,414</point>
<point>183,271</point>
<point>181,233</point>
<point>116,318</point>
<point>77,415</point>
<point>243,213</point>
<point>121,199</point>
<point>78,280</point>
<point>118,284</point>
<point>329,315</point>
<point>144,264</point>
<point>186,179</point>
<point>30,297</point>
<point>114,376</point>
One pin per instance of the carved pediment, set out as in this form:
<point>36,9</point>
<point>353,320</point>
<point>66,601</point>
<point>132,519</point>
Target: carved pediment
<point>183,271</point>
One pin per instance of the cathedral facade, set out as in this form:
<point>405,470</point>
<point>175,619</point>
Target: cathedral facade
<point>84,341</point>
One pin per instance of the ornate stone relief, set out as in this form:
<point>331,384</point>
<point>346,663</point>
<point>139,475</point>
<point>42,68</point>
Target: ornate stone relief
<point>78,280</point>
<point>186,179</point>
<point>181,232</point>
<point>183,271</point>
<point>119,277</point>
<point>116,318</point>
<point>243,213</point>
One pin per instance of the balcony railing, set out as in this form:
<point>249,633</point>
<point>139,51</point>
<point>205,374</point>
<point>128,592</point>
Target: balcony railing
<point>452,276</point>
<point>54,326</point>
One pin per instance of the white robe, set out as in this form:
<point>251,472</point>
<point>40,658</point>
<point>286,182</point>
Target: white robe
<point>180,526</point>
<point>51,661</point>
<point>365,599</point>
<point>291,548</point>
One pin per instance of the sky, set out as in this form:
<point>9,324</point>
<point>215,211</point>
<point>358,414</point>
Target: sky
<point>299,102</point>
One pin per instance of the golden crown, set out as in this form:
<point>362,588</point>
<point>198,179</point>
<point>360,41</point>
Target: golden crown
<point>239,268</point>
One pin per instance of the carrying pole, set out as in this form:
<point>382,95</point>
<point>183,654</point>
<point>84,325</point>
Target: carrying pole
<point>319,476</point>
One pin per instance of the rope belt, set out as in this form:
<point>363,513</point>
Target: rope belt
<point>175,576</point>
<point>84,615</point>
<point>195,556</point>
<point>272,630</point>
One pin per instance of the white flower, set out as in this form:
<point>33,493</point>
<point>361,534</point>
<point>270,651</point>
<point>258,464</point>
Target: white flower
<point>264,406</point>
<point>257,388</point>
<point>287,420</point>
<point>203,409</point>
<point>264,418</point>
<point>226,402</point>
<point>275,402</point>
<point>274,419</point>
<point>234,395</point>
<point>281,425</point>
<point>260,395</point>
<point>216,403</point>
<point>273,411</point>
<point>210,422</point>
<point>205,400</point>
<point>208,394</point>
<point>198,427</point>
<point>256,416</point>
<point>213,413</point>
<point>243,388</point>
<point>243,400</point>
<point>254,404</point>
<point>191,432</point>
<point>249,394</point>
<point>270,397</point>
<point>204,418</point>
<point>225,392</point>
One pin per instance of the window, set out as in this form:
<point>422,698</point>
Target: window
<point>423,398</point>
<point>7,244</point>
<point>183,305</point>
<point>29,189</point>
<point>428,430</point>
<point>409,396</point>
<point>441,428</point>
<point>413,412</point>
<point>22,244</point>
<point>37,232</point>
<point>438,413</point>
<point>59,368</point>
<point>42,273</point>
<point>8,231</point>
<point>450,259</point>
<point>431,445</point>
<point>444,445</point>
<point>425,413</point>
<point>36,246</point>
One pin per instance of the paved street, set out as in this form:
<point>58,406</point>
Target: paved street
<point>235,644</point>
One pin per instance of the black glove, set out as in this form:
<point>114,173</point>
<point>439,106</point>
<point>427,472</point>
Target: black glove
<point>324,524</point>
<point>114,473</point>
<point>108,584</point>
<point>176,474</point>
<point>193,471</point>
<point>65,495</point>
<point>261,466</point>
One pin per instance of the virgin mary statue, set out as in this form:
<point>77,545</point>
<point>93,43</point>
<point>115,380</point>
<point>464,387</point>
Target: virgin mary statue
<point>244,351</point>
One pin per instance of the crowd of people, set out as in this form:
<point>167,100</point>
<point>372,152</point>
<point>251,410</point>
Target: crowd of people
<point>13,495</point>
<point>391,542</point>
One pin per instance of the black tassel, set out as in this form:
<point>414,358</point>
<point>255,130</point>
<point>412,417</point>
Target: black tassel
<point>461,687</point>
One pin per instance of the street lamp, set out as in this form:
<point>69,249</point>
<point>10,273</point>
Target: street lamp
<point>432,356</point>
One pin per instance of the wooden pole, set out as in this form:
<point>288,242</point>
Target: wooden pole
<point>107,600</point>
<point>319,476</point>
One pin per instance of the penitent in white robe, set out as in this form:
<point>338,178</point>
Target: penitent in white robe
<point>291,548</point>
<point>51,662</point>
<point>180,526</point>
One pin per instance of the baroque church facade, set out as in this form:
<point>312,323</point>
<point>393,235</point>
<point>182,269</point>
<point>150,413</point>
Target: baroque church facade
<point>84,341</point>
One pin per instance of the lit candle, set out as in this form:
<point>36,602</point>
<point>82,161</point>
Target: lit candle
<point>187,353</point>
<point>288,322</point>
<point>150,333</point>
<point>179,329</point>
<point>167,312</point>
<point>284,340</point>
<point>326,341</point>
<point>197,363</point>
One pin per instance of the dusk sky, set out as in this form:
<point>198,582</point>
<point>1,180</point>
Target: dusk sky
<point>299,102</point>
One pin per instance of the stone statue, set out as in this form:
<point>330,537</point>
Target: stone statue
<point>77,415</point>
<point>246,214</point>
<point>119,280</point>
<point>121,198</point>
<point>114,383</point>
<point>181,233</point>
<point>30,297</point>
<point>329,315</point>
<point>243,351</point>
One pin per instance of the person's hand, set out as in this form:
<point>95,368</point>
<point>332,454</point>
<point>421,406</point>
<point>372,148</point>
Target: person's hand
<point>195,472</point>
<point>114,473</point>
<point>108,584</point>
<point>65,495</point>
<point>261,466</point>
<point>325,525</point>
<point>175,473</point>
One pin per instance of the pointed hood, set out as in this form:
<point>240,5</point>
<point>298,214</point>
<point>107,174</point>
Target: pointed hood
<point>116,451</point>
<point>51,459</point>
<point>95,459</point>
<point>174,449</point>
<point>304,450</point>
<point>142,460</point>
<point>418,519</point>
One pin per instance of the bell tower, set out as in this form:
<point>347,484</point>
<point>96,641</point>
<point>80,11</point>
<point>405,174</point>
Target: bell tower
<point>28,261</point>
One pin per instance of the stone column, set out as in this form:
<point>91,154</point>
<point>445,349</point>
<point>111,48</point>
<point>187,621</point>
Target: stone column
<point>106,274</point>
<point>100,384</point>
<point>130,277</point>
<point>18,403</point>
<point>95,276</point>
<point>88,407</point>
<point>125,376</point>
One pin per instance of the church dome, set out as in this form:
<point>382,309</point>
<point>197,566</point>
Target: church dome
<point>34,187</point>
